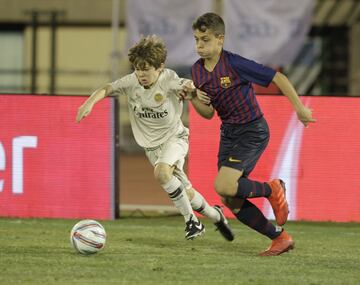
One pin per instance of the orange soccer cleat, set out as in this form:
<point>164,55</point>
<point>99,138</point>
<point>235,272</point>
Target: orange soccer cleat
<point>279,245</point>
<point>278,201</point>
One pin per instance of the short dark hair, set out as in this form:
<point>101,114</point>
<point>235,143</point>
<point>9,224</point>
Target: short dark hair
<point>210,21</point>
<point>149,50</point>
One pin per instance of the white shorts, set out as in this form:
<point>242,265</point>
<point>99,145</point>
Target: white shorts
<point>173,153</point>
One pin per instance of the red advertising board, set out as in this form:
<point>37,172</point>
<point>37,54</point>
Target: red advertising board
<point>51,166</point>
<point>319,164</point>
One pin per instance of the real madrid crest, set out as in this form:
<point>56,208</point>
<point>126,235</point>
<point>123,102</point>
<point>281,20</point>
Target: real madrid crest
<point>225,82</point>
<point>158,97</point>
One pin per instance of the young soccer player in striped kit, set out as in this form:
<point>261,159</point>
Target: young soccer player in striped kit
<point>224,83</point>
<point>155,117</point>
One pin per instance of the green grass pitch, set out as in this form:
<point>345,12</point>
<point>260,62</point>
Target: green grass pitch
<point>142,250</point>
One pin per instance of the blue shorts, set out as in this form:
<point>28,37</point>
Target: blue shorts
<point>242,145</point>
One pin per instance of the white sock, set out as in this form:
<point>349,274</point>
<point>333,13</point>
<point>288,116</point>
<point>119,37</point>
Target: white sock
<point>199,204</point>
<point>175,191</point>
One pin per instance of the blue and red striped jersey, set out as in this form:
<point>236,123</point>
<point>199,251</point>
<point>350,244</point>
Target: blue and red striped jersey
<point>229,86</point>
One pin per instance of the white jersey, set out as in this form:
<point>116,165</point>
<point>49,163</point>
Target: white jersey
<point>155,113</point>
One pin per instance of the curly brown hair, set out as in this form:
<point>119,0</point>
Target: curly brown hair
<point>149,50</point>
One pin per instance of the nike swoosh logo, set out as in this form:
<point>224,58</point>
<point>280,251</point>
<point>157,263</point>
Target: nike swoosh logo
<point>198,226</point>
<point>231,159</point>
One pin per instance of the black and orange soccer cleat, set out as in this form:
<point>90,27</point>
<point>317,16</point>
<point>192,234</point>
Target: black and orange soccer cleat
<point>278,201</point>
<point>279,245</point>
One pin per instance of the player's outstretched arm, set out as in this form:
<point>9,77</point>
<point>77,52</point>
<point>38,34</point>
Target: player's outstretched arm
<point>99,94</point>
<point>198,98</point>
<point>187,91</point>
<point>202,105</point>
<point>304,114</point>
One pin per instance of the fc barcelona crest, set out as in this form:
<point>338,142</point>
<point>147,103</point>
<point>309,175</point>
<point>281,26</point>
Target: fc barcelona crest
<point>225,82</point>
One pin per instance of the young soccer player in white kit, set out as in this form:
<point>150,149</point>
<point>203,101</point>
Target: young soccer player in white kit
<point>155,117</point>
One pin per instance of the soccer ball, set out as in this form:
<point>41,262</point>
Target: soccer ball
<point>88,237</point>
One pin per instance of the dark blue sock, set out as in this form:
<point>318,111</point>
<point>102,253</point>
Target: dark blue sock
<point>250,189</point>
<point>251,216</point>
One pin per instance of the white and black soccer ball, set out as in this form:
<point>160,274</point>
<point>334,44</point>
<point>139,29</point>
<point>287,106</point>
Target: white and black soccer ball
<point>88,237</point>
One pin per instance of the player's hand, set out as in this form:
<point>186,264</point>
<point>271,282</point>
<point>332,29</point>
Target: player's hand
<point>305,116</point>
<point>203,97</point>
<point>84,110</point>
<point>187,92</point>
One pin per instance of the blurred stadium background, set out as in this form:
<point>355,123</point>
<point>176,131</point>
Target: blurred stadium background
<point>66,47</point>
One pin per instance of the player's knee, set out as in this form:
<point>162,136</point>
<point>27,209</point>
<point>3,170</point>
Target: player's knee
<point>162,173</point>
<point>225,188</point>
